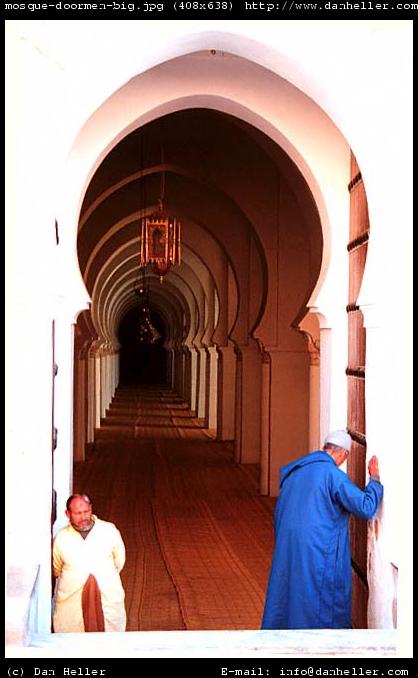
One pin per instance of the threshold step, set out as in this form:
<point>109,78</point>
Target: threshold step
<point>349,643</point>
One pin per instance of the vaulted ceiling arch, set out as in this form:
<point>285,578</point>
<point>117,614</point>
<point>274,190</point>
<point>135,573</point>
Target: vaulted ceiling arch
<point>104,231</point>
<point>115,289</point>
<point>211,189</point>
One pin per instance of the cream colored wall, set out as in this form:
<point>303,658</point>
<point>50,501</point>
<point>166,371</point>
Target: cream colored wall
<point>51,93</point>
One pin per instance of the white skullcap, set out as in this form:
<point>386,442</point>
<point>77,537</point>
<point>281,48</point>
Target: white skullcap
<point>340,439</point>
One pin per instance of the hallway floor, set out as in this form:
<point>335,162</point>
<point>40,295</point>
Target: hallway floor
<point>198,536</point>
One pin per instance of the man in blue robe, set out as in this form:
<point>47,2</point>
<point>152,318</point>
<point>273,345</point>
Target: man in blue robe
<point>310,579</point>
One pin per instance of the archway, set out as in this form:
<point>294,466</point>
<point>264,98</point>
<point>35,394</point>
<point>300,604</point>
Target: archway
<point>252,249</point>
<point>332,88</point>
<point>326,194</point>
<point>258,209</point>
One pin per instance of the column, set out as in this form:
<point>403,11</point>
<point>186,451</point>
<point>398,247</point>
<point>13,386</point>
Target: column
<point>226,393</point>
<point>91,397</point>
<point>238,407</point>
<point>248,405</point>
<point>315,441</point>
<point>97,395</point>
<point>194,362</point>
<point>201,394</point>
<point>211,388</point>
<point>187,376</point>
<point>265,424</point>
<point>79,409</point>
<point>289,409</point>
<point>333,363</point>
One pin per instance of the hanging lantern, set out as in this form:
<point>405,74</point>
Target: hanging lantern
<point>160,241</point>
<point>147,333</point>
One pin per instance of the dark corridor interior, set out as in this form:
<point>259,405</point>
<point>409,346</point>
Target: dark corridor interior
<point>142,362</point>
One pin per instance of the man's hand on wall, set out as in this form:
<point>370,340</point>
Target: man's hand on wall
<point>373,466</point>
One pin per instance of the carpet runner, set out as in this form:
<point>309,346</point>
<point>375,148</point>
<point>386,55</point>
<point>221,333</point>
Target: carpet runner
<point>198,536</point>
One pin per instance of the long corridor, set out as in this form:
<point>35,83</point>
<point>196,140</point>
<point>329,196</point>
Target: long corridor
<point>198,536</point>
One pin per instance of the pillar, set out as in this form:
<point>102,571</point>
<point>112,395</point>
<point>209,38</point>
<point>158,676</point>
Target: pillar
<point>97,396</point>
<point>201,391</point>
<point>211,387</point>
<point>187,376</point>
<point>226,392</point>
<point>91,361</point>
<point>289,409</point>
<point>333,363</point>
<point>248,384</point>
<point>79,409</point>
<point>265,424</point>
<point>194,361</point>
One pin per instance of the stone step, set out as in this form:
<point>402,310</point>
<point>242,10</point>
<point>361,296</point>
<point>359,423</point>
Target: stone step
<point>351,643</point>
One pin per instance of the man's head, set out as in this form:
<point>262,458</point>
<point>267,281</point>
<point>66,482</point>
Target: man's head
<point>79,511</point>
<point>338,445</point>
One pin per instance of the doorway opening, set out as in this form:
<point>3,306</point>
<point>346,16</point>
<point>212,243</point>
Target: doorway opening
<point>142,362</point>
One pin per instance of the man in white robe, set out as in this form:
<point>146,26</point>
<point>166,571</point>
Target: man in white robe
<point>88,555</point>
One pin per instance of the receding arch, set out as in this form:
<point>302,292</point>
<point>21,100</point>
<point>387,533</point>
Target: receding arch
<point>312,162</point>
